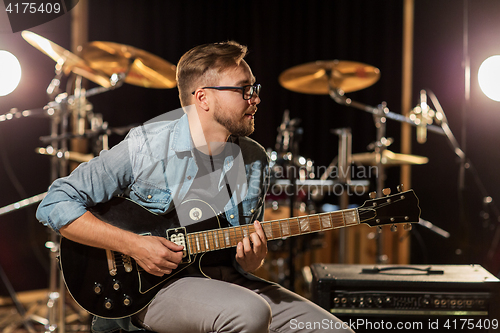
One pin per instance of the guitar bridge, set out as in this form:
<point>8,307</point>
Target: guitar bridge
<point>178,236</point>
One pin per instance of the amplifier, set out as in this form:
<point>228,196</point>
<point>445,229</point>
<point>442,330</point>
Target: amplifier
<point>413,298</point>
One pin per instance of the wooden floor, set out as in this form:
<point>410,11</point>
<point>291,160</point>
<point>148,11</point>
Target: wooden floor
<point>36,305</point>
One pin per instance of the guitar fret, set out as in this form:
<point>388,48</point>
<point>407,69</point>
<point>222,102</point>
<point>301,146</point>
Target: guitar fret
<point>352,217</point>
<point>216,240</point>
<point>315,223</point>
<point>285,228</point>
<point>207,247</point>
<point>279,229</point>
<point>220,236</point>
<point>294,226</point>
<point>326,221</point>
<point>268,230</point>
<point>226,238</point>
<point>304,225</point>
<point>197,243</point>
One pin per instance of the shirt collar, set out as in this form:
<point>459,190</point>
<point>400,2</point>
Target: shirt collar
<point>181,141</point>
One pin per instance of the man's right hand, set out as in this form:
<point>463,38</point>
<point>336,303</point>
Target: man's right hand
<point>156,255</point>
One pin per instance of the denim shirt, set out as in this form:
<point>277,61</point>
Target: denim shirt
<point>155,167</point>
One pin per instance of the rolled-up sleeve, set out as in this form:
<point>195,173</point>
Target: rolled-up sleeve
<point>90,183</point>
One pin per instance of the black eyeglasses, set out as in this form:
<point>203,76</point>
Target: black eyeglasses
<point>247,91</point>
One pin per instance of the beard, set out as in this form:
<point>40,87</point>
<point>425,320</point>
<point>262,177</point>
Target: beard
<point>236,125</point>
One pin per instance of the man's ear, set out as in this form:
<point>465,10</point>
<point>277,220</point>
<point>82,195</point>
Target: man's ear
<point>201,99</point>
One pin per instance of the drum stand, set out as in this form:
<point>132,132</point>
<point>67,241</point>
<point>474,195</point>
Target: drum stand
<point>344,164</point>
<point>69,113</point>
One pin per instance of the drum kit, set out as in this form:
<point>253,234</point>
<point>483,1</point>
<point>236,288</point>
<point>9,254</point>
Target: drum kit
<point>110,65</point>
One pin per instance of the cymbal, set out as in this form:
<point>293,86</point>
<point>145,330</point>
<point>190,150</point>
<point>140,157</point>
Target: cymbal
<point>142,68</point>
<point>69,155</point>
<point>388,158</point>
<point>319,76</point>
<point>68,60</point>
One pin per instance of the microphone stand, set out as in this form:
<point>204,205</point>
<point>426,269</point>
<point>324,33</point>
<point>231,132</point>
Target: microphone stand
<point>380,115</point>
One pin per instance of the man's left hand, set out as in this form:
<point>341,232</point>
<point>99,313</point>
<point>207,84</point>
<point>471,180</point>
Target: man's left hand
<point>252,250</point>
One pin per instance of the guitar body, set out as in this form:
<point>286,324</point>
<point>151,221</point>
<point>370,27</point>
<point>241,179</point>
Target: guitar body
<point>111,285</point>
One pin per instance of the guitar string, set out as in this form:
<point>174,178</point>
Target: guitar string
<point>209,242</point>
<point>229,237</point>
<point>217,239</point>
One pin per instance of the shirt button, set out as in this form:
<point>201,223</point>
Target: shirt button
<point>150,196</point>
<point>189,177</point>
<point>252,211</point>
<point>231,216</point>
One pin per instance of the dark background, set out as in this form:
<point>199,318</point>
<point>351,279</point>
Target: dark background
<point>281,34</point>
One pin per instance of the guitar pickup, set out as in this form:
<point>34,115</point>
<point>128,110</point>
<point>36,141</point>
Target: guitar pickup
<point>178,236</point>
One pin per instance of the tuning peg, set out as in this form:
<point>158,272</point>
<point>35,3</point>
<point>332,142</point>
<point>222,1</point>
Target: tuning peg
<point>407,226</point>
<point>386,191</point>
<point>394,228</point>
<point>400,188</point>
<point>379,229</point>
<point>373,195</point>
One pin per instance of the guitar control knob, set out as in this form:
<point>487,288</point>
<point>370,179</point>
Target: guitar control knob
<point>97,288</point>
<point>127,300</point>
<point>116,285</point>
<point>108,304</point>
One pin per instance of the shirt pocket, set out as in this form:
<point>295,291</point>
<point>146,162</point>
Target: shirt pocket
<point>155,199</point>
<point>249,209</point>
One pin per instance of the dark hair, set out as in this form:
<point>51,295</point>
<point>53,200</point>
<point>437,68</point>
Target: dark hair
<point>202,64</point>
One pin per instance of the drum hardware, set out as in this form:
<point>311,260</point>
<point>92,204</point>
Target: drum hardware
<point>345,152</point>
<point>69,155</point>
<point>70,115</point>
<point>388,158</point>
<point>91,133</point>
<point>23,203</point>
<point>286,131</point>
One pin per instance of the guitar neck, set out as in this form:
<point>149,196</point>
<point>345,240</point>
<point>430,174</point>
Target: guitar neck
<point>216,239</point>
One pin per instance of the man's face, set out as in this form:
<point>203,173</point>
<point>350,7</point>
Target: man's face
<point>231,110</point>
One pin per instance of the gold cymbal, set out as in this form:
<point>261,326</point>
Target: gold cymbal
<point>319,76</point>
<point>388,158</point>
<point>68,60</point>
<point>142,68</point>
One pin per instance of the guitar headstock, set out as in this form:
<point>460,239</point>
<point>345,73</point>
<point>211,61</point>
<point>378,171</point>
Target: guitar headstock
<point>391,209</point>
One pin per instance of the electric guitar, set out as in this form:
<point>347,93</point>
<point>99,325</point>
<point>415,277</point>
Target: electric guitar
<point>112,285</point>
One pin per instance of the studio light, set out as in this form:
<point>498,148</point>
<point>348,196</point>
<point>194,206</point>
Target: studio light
<point>489,77</point>
<point>10,72</point>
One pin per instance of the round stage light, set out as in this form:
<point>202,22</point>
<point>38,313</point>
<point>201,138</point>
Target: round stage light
<point>489,77</point>
<point>10,72</point>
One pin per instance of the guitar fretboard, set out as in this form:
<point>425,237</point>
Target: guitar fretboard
<point>217,239</point>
